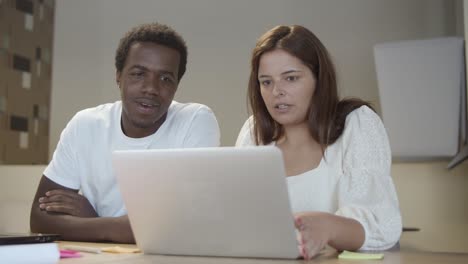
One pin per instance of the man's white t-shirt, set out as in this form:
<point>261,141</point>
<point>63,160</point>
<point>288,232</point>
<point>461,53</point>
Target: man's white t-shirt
<point>82,159</point>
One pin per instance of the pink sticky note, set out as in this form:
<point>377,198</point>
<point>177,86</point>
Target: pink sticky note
<point>66,253</point>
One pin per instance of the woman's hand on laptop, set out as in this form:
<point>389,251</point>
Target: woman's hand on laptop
<point>67,202</point>
<point>314,232</point>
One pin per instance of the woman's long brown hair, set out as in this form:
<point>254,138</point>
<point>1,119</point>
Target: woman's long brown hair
<point>327,114</point>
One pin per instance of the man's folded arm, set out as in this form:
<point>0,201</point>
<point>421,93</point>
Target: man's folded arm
<point>69,214</point>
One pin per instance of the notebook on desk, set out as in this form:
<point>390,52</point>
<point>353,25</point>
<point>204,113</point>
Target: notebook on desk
<point>223,201</point>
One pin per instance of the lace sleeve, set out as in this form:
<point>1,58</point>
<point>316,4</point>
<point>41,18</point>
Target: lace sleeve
<point>366,191</point>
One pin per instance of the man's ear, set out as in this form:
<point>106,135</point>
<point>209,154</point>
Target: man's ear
<point>117,78</point>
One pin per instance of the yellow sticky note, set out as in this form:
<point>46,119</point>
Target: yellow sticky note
<point>355,255</point>
<point>118,249</point>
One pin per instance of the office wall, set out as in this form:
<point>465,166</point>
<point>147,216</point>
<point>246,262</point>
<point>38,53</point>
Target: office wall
<point>220,36</point>
<point>18,185</point>
<point>434,200</point>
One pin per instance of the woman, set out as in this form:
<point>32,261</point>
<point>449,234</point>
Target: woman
<point>336,153</point>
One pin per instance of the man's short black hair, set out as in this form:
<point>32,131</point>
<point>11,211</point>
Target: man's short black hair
<point>156,33</point>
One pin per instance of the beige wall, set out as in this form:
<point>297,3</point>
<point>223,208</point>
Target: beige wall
<point>17,188</point>
<point>220,36</point>
<point>435,200</point>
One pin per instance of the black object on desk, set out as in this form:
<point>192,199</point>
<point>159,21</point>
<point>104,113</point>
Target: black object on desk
<point>27,238</point>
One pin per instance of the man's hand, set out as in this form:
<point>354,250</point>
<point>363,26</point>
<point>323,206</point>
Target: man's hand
<point>314,232</point>
<point>66,202</point>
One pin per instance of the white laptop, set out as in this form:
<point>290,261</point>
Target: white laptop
<point>224,201</point>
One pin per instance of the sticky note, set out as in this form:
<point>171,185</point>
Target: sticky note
<point>36,126</point>
<point>3,104</point>
<point>118,249</point>
<point>41,12</point>
<point>355,255</point>
<point>28,22</point>
<point>64,253</point>
<point>43,112</point>
<point>46,56</point>
<point>26,80</point>
<point>6,41</point>
<point>38,68</point>
<point>23,140</point>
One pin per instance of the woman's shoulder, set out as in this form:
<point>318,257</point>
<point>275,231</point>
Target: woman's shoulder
<point>363,120</point>
<point>363,126</point>
<point>365,136</point>
<point>362,113</point>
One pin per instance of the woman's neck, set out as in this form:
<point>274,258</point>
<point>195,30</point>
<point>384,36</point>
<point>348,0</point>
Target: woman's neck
<point>301,152</point>
<point>298,136</point>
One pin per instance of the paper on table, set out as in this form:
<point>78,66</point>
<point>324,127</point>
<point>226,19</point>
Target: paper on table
<point>118,249</point>
<point>355,255</point>
<point>30,253</point>
<point>82,248</point>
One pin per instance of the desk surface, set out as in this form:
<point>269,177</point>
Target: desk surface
<point>328,256</point>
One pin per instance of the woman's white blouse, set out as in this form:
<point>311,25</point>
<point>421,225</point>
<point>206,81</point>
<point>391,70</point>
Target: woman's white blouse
<point>352,180</point>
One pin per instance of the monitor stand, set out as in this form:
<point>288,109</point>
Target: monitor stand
<point>459,158</point>
<point>463,146</point>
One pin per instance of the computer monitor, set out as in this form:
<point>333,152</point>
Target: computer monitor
<point>423,97</point>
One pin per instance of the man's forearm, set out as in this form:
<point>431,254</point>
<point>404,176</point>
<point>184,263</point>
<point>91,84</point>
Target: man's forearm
<point>115,229</point>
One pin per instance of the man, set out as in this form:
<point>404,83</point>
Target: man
<point>150,61</point>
